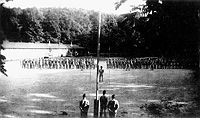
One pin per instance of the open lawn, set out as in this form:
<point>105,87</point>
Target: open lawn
<point>46,93</point>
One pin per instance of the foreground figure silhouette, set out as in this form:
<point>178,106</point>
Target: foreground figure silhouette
<point>103,104</point>
<point>84,106</point>
<point>113,106</point>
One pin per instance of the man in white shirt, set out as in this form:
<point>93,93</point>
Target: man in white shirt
<point>84,106</point>
<point>113,106</point>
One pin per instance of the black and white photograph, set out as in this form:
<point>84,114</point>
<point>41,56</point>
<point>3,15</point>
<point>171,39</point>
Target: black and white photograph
<point>99,58</point>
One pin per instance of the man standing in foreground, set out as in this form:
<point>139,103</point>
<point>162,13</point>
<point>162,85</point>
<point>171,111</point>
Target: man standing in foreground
<point>113,105</point>
<point>84,106</point>
<point>103,104</point>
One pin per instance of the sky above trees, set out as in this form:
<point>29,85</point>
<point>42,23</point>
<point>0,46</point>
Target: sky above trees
<point>107,6</point>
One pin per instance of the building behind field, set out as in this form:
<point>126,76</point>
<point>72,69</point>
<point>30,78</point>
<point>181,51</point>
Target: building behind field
<point>21,50</point>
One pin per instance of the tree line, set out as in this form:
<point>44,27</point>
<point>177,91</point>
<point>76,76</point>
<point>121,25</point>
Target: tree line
<point>158,28</point>
<point>61,25</point>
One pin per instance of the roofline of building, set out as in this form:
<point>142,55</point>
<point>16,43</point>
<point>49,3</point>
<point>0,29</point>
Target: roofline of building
<point>22,45</point>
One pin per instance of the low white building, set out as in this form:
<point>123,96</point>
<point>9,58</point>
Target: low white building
<point>21,50</point>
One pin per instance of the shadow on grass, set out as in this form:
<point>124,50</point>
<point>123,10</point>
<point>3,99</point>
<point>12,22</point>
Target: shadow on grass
<point>188,105</point>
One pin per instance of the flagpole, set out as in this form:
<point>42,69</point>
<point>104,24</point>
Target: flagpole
<point>96,105</point>
<point>98,54</point>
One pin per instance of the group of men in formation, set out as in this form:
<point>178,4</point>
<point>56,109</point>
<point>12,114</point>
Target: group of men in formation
<point>149,63</point>
<point>58,63</point>
<point>112,63</point>
<point>111,106</point>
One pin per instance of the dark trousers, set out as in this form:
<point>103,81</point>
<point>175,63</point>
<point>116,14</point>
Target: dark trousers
<point>100,78</point>
<point>112,114</point>
<point>103,113</point>
<point>84,114</point>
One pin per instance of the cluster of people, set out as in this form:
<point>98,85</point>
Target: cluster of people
<point>149,63</point>
<point>58,63</point>
<point>111,106</point>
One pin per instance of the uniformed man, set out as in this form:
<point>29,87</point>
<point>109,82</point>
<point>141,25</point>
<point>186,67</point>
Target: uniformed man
<point>84,106</point>
<point>103,104</point>
<point>113,106</point>
<point>101,71</point>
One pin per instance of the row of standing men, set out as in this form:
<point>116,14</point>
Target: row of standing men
<point>112,63</point>
<point>58,63</point>
<point>149,63</point>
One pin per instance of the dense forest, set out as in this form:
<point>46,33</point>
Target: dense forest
<point>60,25</point>
<point>159,28</point>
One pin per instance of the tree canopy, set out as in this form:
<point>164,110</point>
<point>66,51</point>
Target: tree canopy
<point>169,28</point>
<point>158,28</point>
<point>2,37</point>
<point>63,25</point>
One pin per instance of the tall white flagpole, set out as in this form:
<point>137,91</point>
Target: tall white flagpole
<point>98,54</point>
<point>96,107</point>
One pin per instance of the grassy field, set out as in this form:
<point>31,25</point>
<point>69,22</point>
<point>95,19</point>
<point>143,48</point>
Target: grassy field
<point>46,93</point>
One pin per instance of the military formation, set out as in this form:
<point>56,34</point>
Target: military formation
<point>58,63</point>
<point>112,63</point>
<point>149,63</point>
